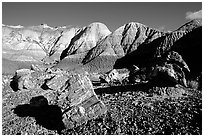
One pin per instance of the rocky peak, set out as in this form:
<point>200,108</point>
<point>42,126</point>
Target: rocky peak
<point>124,40</point>
<point>85,39</point>
<point>190,25</point>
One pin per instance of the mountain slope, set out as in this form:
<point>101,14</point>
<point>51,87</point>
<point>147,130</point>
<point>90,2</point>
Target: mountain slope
<point>85,39</point>
<point>123,41</point>
<point>36,43</point>
<point>187,41</point>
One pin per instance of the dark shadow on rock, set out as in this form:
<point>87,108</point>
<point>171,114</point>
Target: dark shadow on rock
<point>14,83</point>
<point>49,116</point>
<point>135,87</point>
<point>115,89</point>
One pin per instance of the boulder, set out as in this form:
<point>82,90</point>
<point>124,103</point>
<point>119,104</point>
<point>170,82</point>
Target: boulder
<point>72,92</point>
<point>23,79</point>
<point>175,57</point>
<point>114,76</point>
<point>57,82</point>
<point>169,72</point>
<point>30,79</point>
<point>79,101</point>
<point>37,67</point>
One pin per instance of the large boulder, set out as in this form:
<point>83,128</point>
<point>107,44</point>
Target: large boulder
<point>29,79</point>
<point>23,79</point>
<point>169,73</point>
<point>73,92</point>
<point>78,101</point>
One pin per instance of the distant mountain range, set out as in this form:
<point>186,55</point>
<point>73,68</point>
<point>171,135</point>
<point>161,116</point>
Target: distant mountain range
<point>132,43</point>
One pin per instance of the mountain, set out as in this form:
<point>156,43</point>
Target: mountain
<point>186,41</point>
<point>42,42</point>
<point>190,25</point>
<point>29,43</point>
<point>123,41</point>
<point>85,39</point>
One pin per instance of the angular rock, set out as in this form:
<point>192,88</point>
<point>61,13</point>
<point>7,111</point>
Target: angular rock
<point>79,101</point>
<point>170,72</point>
<point>57,82</point>
<point>37,67</point>
<point>113,76</point>
<point>136,75</point>
<point>175,57</point>
<point>29,79</point>
<point>22,79</point>
<point>72,92</point>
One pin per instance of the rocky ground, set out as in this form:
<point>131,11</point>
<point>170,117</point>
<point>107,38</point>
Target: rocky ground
<point>131,109</point>
<point>135,80</point>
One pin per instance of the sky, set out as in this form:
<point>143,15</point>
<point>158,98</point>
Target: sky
<point>163,16</point>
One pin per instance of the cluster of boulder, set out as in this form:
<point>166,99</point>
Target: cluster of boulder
<point>171,68</point>
<point>72,92</point>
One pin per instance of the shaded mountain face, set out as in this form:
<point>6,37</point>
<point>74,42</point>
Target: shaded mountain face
<point>186,41</point>
<point>43,42</point>
<point>85,39</point>
<point>123,41</point>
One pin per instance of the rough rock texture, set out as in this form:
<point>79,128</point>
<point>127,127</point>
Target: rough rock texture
<point>29,79</point>
<point>114,76</point>
<point>190,25</point>
<point>73,92</point>
<point>82,99</point>
<point>170,73</point>
<point>123,41</point>
<point>85,39</point>
<point>183,47</point>
<point>177,41</point>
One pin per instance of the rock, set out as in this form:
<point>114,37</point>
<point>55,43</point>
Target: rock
<point>72,91</point>
<point>37,67</point>
<point>79,101</point>
<point>174,57</point>
<point>170,72</point>
<point>30,79</point>
<point>137,75</point>
<point>39,101</point>
<point>22,79</point>
<point>57,82</point>
<point>114,76</point>
<point>110,77</point>
<point>175,92</point>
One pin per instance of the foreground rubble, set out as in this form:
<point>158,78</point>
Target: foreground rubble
<point>72,92</point>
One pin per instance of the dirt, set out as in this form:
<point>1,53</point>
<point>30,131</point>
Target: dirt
<point>132,110</point>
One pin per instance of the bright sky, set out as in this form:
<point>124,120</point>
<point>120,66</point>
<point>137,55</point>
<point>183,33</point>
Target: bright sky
<point>167,16</point>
